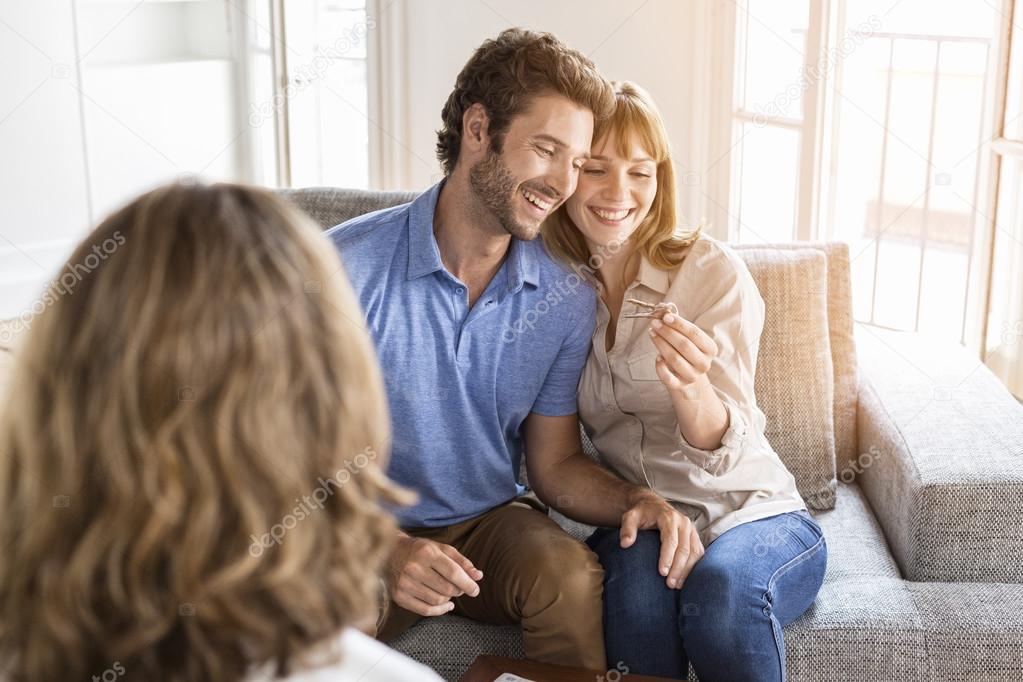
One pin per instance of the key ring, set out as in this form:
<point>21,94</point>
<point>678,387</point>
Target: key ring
<point>657,311</point>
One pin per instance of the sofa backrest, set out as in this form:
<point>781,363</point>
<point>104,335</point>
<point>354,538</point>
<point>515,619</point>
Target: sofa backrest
<point>330,206</point>
<point>806,378</point>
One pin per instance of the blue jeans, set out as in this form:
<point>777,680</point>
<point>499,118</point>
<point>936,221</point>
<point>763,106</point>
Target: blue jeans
<point>727,619</point>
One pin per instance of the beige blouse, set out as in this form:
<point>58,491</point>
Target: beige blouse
<point>629,417</point>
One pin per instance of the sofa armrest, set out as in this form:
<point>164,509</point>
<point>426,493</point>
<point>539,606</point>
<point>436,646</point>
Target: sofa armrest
<point>941,458</point>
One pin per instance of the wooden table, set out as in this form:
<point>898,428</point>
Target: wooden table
<point>489,668</point>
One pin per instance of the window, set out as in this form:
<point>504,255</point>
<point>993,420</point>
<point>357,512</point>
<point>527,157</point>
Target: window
<point>865,122</point>
<point>325,96</point>
<point>768,120</point>
<point>907,168</point>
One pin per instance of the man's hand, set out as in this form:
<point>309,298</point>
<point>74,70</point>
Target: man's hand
<point>681,547</point>
<point>423,576</point>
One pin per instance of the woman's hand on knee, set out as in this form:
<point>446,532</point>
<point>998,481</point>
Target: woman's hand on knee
<point>688,550</point>
<point>681,547</point>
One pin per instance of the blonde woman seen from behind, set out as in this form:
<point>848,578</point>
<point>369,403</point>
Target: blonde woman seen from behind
<point>191,456</point>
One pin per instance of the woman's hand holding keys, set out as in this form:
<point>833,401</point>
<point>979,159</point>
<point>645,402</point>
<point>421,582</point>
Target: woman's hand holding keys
<point>685,351</point>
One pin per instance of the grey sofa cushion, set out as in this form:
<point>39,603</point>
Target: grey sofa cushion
<point>856,547</point>
<point>858,630</point>
<point>972,631</point>
<point>449,644</point>
<point>943,459</point>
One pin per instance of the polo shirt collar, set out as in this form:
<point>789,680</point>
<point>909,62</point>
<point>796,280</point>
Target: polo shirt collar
<point>423,254</point>
<point>521,265</point>
<point>652,277</point>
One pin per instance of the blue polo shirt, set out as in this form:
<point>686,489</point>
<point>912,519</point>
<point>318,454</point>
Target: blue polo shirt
<point>460,381</point>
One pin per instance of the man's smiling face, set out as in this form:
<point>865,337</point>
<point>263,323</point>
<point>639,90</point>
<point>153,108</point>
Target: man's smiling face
<point>538,165</point>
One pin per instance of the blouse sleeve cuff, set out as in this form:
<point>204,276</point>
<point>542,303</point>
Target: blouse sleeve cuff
<point>718,461</point>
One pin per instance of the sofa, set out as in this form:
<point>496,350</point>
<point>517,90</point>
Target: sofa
<point>909,453</point>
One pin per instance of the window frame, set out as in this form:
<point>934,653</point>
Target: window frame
<point>1002,148</point>
<point>719,201</point>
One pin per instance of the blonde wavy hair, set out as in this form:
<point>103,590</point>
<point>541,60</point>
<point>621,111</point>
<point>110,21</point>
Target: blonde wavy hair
<point>183,400</point>
<point>659,237</point>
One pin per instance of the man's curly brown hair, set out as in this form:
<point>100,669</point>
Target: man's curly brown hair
<point>505,73</point>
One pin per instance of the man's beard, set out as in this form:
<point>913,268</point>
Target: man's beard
<point>495,187</point>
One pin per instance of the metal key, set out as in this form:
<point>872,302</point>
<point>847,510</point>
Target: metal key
<point>658,310</point>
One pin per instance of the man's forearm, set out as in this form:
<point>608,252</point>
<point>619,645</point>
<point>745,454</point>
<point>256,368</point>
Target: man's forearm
<point>584,491</point>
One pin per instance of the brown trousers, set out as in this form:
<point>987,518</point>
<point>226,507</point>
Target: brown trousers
<point>534,573</point>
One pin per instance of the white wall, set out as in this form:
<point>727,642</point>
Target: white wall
<point>100,101</point>
<point>44,199</point>
<point>651,42</point>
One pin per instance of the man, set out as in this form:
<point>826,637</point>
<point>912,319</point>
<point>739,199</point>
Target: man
<point>482,338</point>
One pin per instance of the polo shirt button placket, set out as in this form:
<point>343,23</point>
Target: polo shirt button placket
<point>461,350</point>
<point>462,353</point>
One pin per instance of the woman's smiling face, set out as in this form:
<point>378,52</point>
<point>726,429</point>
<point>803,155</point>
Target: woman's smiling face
<point>615,191</point>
